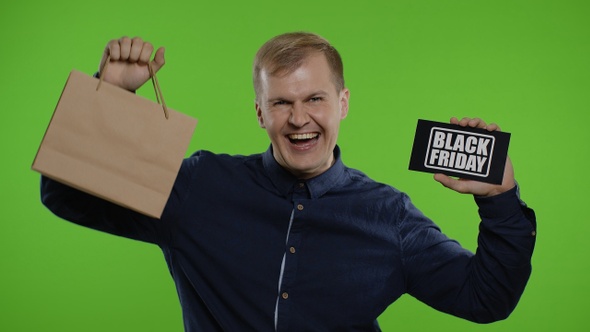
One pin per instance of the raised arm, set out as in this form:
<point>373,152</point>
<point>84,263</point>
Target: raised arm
<point>128,69</point>
<point>484,287</point>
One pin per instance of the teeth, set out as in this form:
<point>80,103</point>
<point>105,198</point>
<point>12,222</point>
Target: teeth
<point>303,136</point>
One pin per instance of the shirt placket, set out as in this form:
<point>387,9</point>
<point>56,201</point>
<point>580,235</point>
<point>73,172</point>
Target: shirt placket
<point>289,264</point>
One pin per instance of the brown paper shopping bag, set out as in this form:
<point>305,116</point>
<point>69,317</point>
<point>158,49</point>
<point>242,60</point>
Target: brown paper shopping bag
<point>114,144</point>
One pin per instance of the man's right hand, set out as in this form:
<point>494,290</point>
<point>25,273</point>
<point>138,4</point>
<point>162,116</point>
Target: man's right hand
<point>128,67</point>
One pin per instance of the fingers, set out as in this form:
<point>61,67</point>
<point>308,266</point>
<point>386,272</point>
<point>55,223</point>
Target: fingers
<point>132,50</point>
<point>457,185</point>
<point>475,123</point>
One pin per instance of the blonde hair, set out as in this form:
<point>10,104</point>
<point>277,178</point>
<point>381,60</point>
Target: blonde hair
<point>285,53</point>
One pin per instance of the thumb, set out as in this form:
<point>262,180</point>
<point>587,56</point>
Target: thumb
<point>159,59</point>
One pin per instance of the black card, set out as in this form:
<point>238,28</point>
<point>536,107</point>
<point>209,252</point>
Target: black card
<point>464,152</point>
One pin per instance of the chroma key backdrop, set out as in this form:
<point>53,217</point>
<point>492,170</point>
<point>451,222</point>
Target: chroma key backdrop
<point>522,64</point>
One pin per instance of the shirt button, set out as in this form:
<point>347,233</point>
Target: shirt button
<point>299,207</point>
<point>292,250</point>
<point>534,233</point>
<point>285,295</point>
<point>301,184</point>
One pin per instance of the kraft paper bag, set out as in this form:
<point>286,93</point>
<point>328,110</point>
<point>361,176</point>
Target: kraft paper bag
<point>115,145</point>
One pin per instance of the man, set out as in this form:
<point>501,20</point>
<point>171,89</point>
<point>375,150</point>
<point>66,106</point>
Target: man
<point>293,240</point>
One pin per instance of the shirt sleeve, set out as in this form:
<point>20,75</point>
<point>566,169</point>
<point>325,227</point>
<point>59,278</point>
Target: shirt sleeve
<point>481,287</point>
<point>89,211</point>
<point>92,212</point>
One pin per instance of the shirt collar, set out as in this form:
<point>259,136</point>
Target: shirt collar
<point>284,181</point>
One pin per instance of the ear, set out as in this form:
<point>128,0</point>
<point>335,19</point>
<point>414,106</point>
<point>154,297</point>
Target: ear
<point>344,102</point>
<point>259,115</point>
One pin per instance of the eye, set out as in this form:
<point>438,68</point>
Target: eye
<point>279,103</point>
<point>315,99</point>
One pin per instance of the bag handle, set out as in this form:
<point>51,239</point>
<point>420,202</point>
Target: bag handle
<point>159,96</point>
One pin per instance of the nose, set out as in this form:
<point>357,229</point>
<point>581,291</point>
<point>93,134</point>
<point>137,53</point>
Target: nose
<point>299,116</point>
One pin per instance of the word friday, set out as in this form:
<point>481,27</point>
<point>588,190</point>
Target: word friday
<point>459,151</point>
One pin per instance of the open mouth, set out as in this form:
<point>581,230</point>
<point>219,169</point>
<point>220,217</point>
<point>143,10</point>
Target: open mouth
<point>303,139</point>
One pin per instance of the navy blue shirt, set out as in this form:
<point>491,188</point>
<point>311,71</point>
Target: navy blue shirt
<point>253,248</point>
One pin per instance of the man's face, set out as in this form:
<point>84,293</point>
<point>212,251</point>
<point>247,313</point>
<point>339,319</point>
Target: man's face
<point>301,112</point>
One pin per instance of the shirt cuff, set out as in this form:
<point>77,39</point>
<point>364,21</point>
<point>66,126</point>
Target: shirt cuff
<point>502,205</point>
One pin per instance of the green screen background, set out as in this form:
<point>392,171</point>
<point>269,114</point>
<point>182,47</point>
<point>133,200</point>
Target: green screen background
<point>522,64</point>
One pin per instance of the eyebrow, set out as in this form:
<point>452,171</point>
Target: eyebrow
<point>313,94</point>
